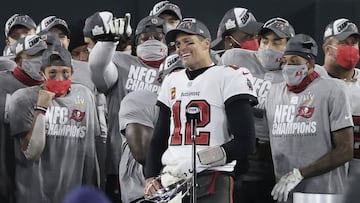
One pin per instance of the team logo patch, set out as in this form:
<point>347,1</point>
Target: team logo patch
<point>305,111</point>
<point>173,92</point>
<point>77,115</point>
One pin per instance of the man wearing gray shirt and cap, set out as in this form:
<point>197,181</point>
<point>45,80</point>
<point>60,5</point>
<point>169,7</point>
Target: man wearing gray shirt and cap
<point>311,131</point>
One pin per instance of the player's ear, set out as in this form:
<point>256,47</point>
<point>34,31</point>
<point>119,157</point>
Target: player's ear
<point>207,43</point>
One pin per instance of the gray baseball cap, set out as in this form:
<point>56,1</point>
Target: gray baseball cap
<point>63,54</point>
<point>150,23</point>
<point>190,26</point>
<point>53,22</point>
<point>279,26</point>
<point>18,19</point>
<point>302,45</point>
<point>30,45</point>
<point>50,38</point>
<point>341,29</point>
<point>236,19</point>
<point>166,7</point>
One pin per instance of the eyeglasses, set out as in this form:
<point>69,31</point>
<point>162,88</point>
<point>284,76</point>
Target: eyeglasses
<point>277,20</point>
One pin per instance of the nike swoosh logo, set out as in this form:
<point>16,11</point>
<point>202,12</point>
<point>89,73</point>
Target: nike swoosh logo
<point>245,73</point>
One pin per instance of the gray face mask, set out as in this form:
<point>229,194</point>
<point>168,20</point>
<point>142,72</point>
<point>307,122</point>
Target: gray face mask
<point>32,67</point>
<point>294,74</point>
<point>270,58</point>
<point>152,50</point>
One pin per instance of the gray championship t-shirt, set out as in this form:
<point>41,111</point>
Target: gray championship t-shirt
<point>69,158</point>
<point>8,85</point>
<point>300,130</point>
<point>136,107</point>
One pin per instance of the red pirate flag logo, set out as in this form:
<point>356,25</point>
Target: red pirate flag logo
<point>77,115</point>
<point>305,111</point>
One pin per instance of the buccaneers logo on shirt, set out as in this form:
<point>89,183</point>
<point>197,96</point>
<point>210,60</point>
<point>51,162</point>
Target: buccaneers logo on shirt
<point>77,115</point>
<point>305,111</point>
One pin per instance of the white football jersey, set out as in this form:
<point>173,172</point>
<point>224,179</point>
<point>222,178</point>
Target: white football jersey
<point>209,91</point>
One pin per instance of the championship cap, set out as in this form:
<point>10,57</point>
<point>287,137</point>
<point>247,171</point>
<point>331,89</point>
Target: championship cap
<point>95,24</point>
<point>167,8</point>
<point>18,19</point>
<point>150,23</point>
<point>53,22</point>
<point>340,29</point>
<point>50,38</point>
<point>170,64</point>
<point>56,56</point>
<point>302,45</point>
<point>30,45</point>
<point>236,19</point>
<point>280,26</point>
<point>190,26</point>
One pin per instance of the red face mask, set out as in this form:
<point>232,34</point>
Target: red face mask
<point>347,56</point>
<point>60,88</point>
<point>250,45</point>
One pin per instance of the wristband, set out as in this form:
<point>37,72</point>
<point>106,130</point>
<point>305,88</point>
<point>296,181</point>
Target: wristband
<point>41,109</point>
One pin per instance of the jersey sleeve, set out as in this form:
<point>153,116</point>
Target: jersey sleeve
<point>138,107</point>
<point>166,91</point>
<point>339,107</point>
<point>21,110</point>
<point>238,84</point>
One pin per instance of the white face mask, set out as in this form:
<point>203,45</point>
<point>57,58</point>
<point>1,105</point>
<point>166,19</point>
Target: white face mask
<point>270,58</point>
<point>152,50</point>
<point>294,74</point>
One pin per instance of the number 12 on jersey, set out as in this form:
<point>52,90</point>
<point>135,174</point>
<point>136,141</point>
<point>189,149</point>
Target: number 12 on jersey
<point>177,136</point>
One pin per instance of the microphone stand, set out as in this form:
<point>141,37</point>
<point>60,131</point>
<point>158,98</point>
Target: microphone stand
<point>193,116</point>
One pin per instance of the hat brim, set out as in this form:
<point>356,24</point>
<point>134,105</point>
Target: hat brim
<point>280,34</point>
<point>342,36</point>
<point>171,35</point>
<point>35,50</point>
<point>252,28</point>
<point>217,44</point>
<point>307,56</point>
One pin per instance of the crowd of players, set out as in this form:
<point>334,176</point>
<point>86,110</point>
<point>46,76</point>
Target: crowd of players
<point>97,112</point>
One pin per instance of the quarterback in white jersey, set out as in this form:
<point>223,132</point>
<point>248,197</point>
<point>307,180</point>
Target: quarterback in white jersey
<point>226,128</point>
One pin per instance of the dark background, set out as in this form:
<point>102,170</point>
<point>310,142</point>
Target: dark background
<point>307,16</point>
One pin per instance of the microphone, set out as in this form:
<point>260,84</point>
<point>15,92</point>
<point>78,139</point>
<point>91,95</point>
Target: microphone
<point>193,116</point>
